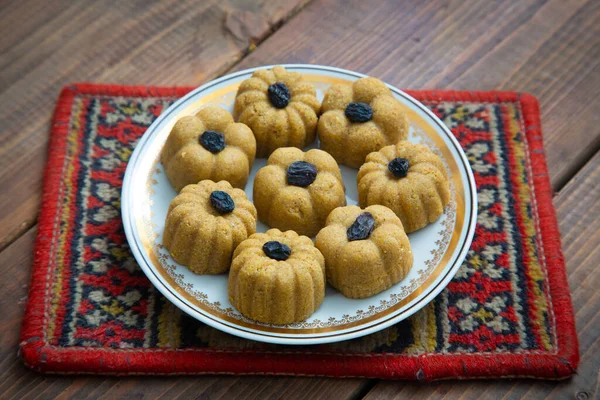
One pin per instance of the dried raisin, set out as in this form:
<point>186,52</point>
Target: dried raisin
<point>279,95</point>
<point>362,227</point>
<point>301,173</point>
<point>399,167</point>
<point>359,112</point>
<point>277,250</point>
<point>221,202</point>
<point>212,141</point>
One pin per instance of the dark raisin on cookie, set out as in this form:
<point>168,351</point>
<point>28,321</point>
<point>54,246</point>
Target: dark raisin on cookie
<point>221,202</point>
<point>212,141</point>
<point>362,227</point>
<point>399,167</point>
<point>277,250</point>
<point>301,173</point>
<point>279,95</point>
<point>359,112</point>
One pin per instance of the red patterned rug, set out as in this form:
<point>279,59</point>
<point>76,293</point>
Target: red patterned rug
<point>91,310</point>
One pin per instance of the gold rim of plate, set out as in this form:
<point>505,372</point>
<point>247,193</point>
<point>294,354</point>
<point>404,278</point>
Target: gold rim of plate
<point>453,229</point>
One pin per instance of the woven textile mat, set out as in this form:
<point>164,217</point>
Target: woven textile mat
<point>91,310</point>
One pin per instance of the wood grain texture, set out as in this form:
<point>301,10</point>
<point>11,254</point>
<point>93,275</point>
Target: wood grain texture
<point>578,210</point>
<point>46,45</point>
<point>550,48</point>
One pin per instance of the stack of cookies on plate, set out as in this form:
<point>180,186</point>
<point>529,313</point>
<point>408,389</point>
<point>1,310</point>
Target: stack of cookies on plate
<point>279,277</point>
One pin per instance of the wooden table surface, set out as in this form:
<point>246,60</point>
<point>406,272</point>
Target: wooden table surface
<point>550,48</point>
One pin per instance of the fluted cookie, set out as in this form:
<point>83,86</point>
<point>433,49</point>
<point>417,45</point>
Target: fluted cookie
<point>360,118</point>
<point>280,107</point>
<point>277,277</point>
<point>205,223</point>
<point>407,178</point>
<point>208,145</point>
<point>366,251</point>
<point>298,190</point>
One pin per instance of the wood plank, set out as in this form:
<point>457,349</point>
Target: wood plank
<point>133,42</point>
<point>31,15</point>
<point>551,49</point>
<point>578,211</point>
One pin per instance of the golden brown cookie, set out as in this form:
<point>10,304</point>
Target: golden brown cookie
<point>366,251</point>
<point>298,190</point>
<point>409,179</point>
<point>208,145</point>
<point>280,108</point>
<point>205,223</point>
<point>277,277</point>
<point>358,119</point>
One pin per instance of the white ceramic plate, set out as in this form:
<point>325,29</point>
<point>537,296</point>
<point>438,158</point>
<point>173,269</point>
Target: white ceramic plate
<point>438,249</point>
